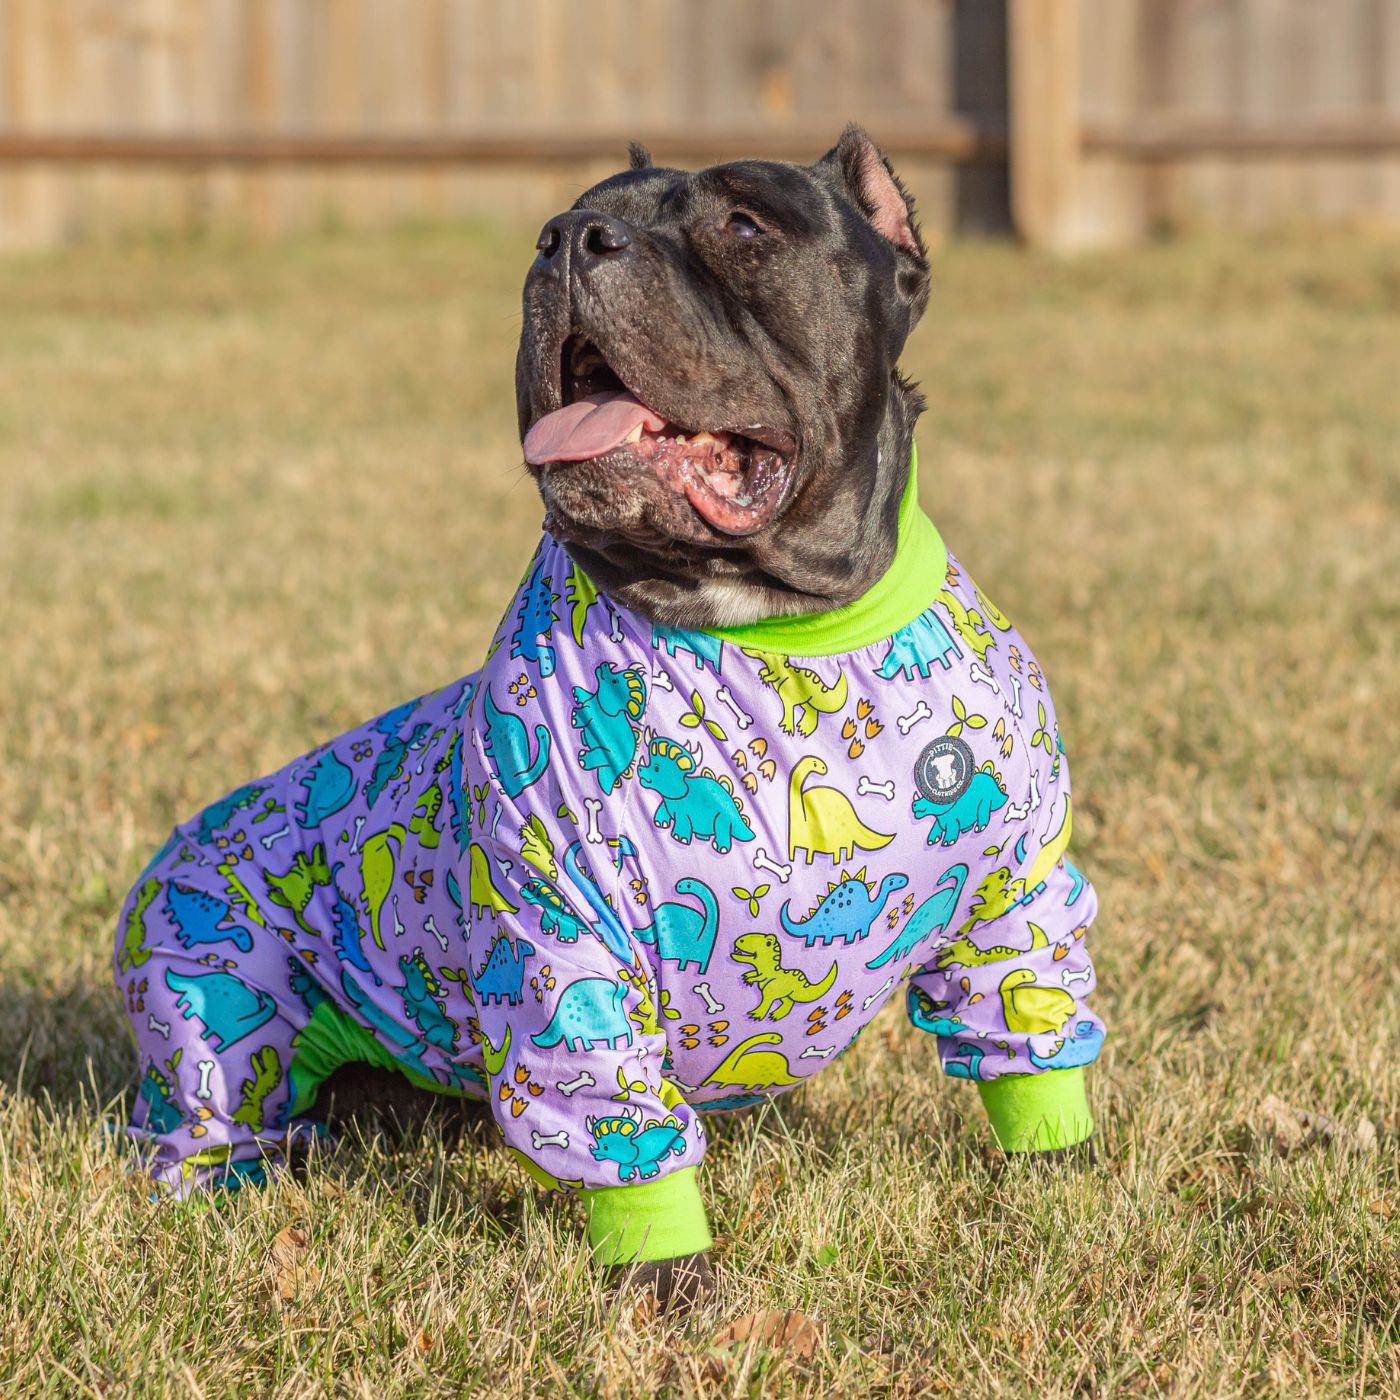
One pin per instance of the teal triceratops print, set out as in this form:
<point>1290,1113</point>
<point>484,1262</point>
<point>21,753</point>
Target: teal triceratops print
<point>637,1146</point>
<point>610,717</point>
<point>692,803</point>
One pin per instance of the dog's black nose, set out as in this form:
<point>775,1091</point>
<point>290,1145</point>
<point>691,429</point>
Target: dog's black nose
<point>590,237</point>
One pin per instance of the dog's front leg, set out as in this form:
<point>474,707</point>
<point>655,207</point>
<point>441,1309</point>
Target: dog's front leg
<point>678,1285</point>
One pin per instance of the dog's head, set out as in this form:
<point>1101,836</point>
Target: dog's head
<point>707,381</point>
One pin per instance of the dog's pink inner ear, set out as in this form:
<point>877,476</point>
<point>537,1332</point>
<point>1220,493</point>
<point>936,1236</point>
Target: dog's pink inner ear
<point>877,191</point>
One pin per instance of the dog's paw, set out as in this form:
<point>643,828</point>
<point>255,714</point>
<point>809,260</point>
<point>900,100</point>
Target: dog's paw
<point>1077,1158</point>
<point>677,1285</point>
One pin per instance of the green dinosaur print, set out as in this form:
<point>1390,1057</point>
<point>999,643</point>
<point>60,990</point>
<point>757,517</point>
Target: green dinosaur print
<point>485,897</point>
<point>424,822</point>
<point>378,857</point>
<point>133,952</point>
<point>780,988</point>
<point>748,1067</point>
<point>805,696</point>
<point>970,625</point>
<point>963,952</point>
<point>293,888</point>
<point>252,1100</point>
<point>581,596</point>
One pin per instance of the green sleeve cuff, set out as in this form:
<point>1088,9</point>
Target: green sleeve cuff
<point>660,1219</point>
<point>1038,1112</point>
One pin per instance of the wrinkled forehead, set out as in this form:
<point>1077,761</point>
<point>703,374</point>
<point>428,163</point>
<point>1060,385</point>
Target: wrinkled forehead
<point>658,197</point>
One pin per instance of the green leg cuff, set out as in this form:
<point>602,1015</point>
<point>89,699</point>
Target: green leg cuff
<point>1038,1112</point>
<point>660,1219</point>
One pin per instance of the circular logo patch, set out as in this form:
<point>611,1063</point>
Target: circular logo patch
<point>944,769</point>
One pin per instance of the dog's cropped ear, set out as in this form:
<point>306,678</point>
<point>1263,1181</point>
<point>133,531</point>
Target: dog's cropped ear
<point>875,190</point>
<point>638,157</point>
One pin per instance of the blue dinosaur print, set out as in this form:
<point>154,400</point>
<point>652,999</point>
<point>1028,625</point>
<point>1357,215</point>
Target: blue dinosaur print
<point>917,646</point>
<point>692,804</point>
<point>304,985</point>
<point>636,1146</point>
<point>927,1015</point>
<point>419,994</point>
<point>407,1048</point>
<point>508,745</point>
<point>388,762</point>
<point>391,721</point>
<point>608,717</point>
<point>932,916</point>
<point>613,935</point>
<point>219,814</point>
<point>971,810</point>
<point>162,1113</point>
<point>329,785</point>
<point>1080,1048</point>
<point>503,977</point>
<point>969,1068</point>
<point>846,911</point>
<point>458,809</point>
<point>705,648</point>
<point>730,1102</point>
<point>348,938</point>
<point>589,1012</point>
<point>199,918</point>
<point>683,935</point>
<point>535,619</point>
<point>229,1009</point>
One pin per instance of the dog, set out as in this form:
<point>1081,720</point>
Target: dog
<point>750,753</point>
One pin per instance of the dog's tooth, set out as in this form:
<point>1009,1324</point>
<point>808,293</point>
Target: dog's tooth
<point>635,435</point>
<point>681,439</point>
<point>701,438</point>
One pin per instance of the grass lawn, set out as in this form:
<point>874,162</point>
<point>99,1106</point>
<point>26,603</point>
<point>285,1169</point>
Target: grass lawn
<point>249,496</point>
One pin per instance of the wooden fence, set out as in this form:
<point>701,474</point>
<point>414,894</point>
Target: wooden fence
<point>1080,121</point>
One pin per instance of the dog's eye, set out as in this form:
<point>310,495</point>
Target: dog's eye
<point>741,225</point>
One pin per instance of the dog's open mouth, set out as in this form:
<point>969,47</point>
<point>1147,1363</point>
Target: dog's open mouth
<point>733,480</point>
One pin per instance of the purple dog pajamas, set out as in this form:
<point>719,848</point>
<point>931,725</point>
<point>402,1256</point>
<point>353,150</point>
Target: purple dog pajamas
<point>624,874</point>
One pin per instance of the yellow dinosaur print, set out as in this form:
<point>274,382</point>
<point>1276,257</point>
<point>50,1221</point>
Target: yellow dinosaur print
<point>821,820</point>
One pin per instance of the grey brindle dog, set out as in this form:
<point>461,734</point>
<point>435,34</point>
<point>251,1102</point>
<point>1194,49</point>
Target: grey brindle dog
<point>758,309</point>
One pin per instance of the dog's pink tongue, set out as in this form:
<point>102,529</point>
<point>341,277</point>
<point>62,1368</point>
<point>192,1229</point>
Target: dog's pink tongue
<point>588,428</point>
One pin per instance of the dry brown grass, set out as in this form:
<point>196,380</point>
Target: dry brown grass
<point>251,496</point>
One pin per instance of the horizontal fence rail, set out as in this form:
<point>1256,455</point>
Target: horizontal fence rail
<point>949,141</point>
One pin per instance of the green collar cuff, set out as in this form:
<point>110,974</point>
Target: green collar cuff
<point>659,1219</point>
<point>1038,1112</point>
<point>906,588</point>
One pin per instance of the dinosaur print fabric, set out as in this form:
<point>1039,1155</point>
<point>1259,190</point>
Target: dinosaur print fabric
<point>621,874</point>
